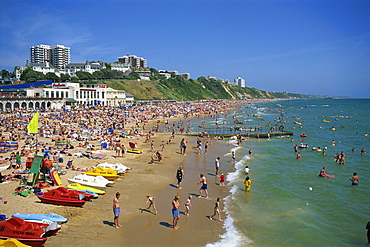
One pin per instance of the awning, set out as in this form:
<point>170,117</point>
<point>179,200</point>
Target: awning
<point>70,100</point>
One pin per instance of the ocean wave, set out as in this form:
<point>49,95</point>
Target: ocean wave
<point>232,237</point>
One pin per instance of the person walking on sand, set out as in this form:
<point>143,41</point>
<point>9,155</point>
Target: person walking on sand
<point>248,183</point>
<point>118,149</point>
<point>175,211</point>
<point>217,210</point>
<point>116,210</point>
<point>187,205</point>
<point>180,175</point>
<point>163,145</point>
<point>217,165</point>
<point>151,202</point>
<point>204,187</point>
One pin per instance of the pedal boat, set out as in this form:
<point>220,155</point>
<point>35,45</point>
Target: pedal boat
<point>39,217</point>
<point>97,182</point>
<point>29,233</point>
<point>109,174</point>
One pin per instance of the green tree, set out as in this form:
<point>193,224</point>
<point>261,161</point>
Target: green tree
<point>30,75</point>
<point>108,66</point>
<point>5,74</point>
<point>65,77</point>
<point>98,75</point>
<point>52,76</point>
<point>74,79</point>
<point>83,75</point>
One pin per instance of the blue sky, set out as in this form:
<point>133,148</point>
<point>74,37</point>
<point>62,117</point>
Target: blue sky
<point>312,47</point>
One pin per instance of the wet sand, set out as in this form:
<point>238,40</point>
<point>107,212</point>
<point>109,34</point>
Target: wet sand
<point>141,227</point>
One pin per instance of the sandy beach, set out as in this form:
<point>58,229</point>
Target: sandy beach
<point>93,223</point>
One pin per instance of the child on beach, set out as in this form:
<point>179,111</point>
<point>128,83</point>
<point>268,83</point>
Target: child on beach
<point>222,179</point>
<point>187,205</point>
<point>247,184</point>
<point>217,210</point>
<point>151,202</point>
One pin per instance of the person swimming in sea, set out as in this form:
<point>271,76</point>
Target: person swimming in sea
<point>322,172</point>
<point>355,179</point>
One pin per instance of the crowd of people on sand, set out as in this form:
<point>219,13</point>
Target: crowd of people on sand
<point>60,132</point>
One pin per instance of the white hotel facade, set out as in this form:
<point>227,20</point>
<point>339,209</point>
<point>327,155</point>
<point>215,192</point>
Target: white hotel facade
<point>83,94</point>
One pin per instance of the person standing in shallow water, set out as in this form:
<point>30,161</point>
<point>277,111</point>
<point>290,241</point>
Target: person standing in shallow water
<point>355,179</point>
<point>217,210</point>
<point>248,183</point>
<point>116,210</point>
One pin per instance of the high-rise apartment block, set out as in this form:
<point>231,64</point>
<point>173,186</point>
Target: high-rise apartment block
<point>133,61</point>
<point>55,55</point>
<point>240,82</point>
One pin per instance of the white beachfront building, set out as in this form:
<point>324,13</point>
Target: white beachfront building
<point>240,82</point>
<point>83,94</point>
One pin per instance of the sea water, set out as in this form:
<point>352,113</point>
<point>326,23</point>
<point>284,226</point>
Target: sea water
<point>289,204</point>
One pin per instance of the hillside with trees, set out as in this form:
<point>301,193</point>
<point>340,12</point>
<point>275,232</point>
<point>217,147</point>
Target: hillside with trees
<point>159,87</point>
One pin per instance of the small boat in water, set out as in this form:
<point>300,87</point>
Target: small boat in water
<point>40,217</point>
<point>303,145</point>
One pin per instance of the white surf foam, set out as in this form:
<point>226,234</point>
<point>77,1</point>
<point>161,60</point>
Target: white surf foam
<point>232,236</point>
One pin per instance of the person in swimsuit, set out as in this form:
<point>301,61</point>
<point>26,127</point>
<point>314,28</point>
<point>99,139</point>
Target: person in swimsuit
<point>247,170</point>
<point>355,179</point>
<point>180,175</point>
<point>204,187</point>
<point>233,158</point>
<point>217,210</point>
<point>151,202</point>
<point>187,205</point>
<point>322,172</point>
<point>206,147</point>
<point>175,211</point>
<point>116,210</point>
<point>217,165</point>
<point>184,146</point>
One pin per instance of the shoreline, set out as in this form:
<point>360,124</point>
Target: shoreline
<point>144,178</point>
